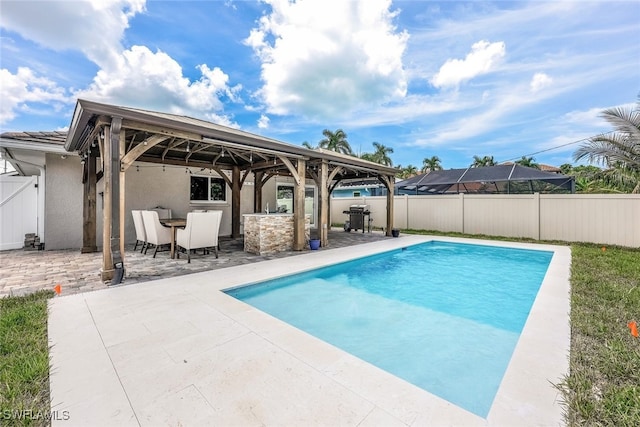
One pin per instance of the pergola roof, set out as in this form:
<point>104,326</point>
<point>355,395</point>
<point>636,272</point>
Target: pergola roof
<point>442,181</point>
<point>121,136</point>
<point>186,141</point>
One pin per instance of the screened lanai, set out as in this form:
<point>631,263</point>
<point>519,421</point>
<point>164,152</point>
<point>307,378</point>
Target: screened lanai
<point>500,179</point>
<point>111,138</point>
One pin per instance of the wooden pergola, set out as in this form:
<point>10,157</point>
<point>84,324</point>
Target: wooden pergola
<point>120,136</point>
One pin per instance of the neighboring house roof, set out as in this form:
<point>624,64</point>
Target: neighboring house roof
<point>25,150</point>
<point>359,183</point>
<point>476,179</point>
<point>51,141</point>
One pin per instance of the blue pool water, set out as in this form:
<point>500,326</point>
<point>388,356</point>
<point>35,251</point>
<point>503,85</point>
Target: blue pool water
<point>443,316</point>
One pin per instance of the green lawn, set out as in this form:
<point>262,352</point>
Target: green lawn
<point>602,389</point>
<point>24,360</point>
<point>604,385</point>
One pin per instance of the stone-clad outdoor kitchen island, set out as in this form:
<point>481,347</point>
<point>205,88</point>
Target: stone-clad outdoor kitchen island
<point>269,233</point>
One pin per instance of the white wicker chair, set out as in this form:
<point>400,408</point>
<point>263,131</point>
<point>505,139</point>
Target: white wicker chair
<point>141,235</point>
<point>201,232</point>
<point>157,234</point>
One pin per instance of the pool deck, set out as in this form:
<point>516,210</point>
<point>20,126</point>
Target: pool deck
<point>178,351</point>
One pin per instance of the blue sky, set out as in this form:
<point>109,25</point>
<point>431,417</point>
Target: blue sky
<point>447,78</point>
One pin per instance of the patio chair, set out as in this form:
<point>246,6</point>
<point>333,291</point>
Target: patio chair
<point>163,213</point>
<point>157,234</point>
<point>201,232</point>
<point>141,235</point>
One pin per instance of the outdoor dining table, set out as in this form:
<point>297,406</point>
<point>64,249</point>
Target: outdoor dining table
<point>174,223</point>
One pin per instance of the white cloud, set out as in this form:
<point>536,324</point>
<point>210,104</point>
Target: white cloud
<point>94,27</point>
<point>155,80</point>
<point>482,58</point>
<point>590,117</point>
<point>136,76</point>
<point>540,81</point>
<point>326,58</point>
<point>263,122</point>
<point>25,87</point>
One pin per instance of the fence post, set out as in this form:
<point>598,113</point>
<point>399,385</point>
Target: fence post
<point>406,209</point>
<point>461,196</point>
<point>536,198</point>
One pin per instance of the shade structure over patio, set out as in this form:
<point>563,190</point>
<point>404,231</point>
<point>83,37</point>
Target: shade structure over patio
<point>500,179</point>
<point>120,136</point>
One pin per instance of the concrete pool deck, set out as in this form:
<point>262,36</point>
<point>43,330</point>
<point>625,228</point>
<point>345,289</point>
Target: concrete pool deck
<point>178,351</point>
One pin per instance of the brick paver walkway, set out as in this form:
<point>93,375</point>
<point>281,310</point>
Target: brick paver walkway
<point>23,272</point>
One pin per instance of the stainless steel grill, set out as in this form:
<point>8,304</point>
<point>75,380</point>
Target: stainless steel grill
<point>357,220</point>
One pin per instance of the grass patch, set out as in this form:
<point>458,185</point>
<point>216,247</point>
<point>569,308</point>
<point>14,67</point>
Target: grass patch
<point>603,386</point>
<point>24,360</point>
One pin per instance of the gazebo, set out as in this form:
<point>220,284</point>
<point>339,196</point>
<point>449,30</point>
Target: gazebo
<point>119,136</point>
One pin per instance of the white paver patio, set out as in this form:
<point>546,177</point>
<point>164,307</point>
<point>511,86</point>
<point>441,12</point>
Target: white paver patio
<point>178,351</point>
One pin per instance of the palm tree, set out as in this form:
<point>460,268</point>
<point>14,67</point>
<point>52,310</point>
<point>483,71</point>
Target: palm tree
<point>368,156</point>
<point>335,141</point>
<point>431,164</point>
<point>407,171</point>
<point>381,155</point>
<point>618,150</point>
<point>623,178</point>
<point>479,162</point>
<point>307,145</point>
<point>566,168</point>
<point>528,162</point>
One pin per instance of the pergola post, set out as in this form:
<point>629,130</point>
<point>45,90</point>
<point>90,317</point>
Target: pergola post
<point>388,182</point>
<point>257,191</point>
<point>122,148</point>
<point>107,261</point>
<point>235,202</point>
<point>89,241</point>
<point>324,204</point>
<point>112,261</point>
<point>298,207</point>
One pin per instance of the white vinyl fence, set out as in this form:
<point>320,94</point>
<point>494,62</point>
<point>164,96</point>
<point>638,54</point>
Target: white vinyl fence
<point>18,210</point>
<point>596,218</point>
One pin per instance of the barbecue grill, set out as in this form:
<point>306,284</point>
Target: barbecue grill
<point>356,221</point>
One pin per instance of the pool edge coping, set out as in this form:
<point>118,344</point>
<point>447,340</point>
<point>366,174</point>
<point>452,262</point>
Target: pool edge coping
<point>526,395</point>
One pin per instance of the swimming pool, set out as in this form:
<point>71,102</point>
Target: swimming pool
<point>443,316</point>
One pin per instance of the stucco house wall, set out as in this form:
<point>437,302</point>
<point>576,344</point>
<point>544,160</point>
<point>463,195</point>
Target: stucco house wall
<point>63,202</point>
<point>146,185</point>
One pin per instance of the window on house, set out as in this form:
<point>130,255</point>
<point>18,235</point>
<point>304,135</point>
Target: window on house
<point>356,194</point>
<point>208,189</point>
